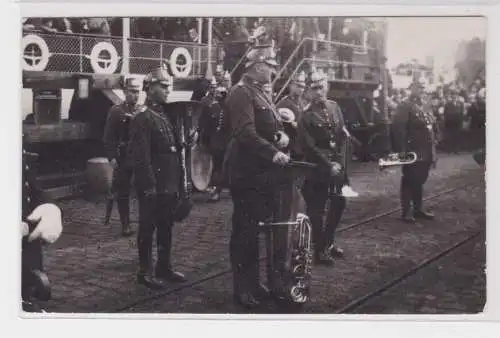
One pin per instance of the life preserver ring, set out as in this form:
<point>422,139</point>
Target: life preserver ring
<point>181,70</point>
<point>38,62</point>
<point>95,61</point>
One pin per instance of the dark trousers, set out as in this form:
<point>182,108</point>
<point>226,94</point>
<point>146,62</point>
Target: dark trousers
<point>217,179</point>
<point>316,195</point>
<point>414,177</point>
<point>453,136</point>
<point>122,177</point>
<point>251,205</point>
<point>32,259</point>
<point>155,212</point>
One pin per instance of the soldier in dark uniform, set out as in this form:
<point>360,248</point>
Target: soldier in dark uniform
<point>116,135</point>
<point>415,129</point>
<point>254,151</point>
<point>153,150</point>
<point>323,142</point>
<point>295,102</point>
<point>215,134</point>
<point>41,223</point>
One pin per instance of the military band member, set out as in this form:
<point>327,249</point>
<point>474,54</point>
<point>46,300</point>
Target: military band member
<point>41,223</point>
<point>414,129</point>
<point>116,136</point>
<point>215,135</point>
<point>295,102</point>
<point>255,149</point>
<point>154,150</point>
<point>323,142</point>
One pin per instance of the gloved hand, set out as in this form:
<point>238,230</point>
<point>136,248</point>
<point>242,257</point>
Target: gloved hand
<point>281,158</point>
<point>49,219</point>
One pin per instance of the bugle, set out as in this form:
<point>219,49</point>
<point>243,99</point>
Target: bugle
<point>396,159</point>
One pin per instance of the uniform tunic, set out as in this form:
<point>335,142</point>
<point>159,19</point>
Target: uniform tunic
<point>154,154</point>
<point>153,151</point>
<point>252,174</point>
<point>323,142</point>
<point>414,130</point>
<point>32,197</point>
<point>116,136</point>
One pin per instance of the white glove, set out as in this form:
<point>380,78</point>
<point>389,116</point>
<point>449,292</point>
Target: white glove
<point>49,225</point>
<point>283,140</point>
<point>281,158</point>
<point>25,230</point>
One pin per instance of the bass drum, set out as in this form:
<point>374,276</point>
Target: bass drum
<point>201,167</point>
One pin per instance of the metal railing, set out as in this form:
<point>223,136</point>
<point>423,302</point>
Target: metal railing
<point>361,50</point>
<point>330,76</point>
<point>83,53</point>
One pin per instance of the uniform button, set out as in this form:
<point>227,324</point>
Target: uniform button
<point>28,199</point>
<point>27,167</point>
<point>26,184</point>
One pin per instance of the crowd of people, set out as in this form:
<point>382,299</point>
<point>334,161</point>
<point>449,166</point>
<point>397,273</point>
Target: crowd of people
<point>459,110</point>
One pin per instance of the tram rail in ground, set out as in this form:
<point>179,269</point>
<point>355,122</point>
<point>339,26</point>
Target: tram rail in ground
<point>355,225</point>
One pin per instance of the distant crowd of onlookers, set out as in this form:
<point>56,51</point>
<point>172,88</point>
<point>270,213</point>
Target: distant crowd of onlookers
<point>459,110</point>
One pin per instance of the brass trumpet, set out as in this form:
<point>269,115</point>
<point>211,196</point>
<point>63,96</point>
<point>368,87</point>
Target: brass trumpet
<point>396,159</point>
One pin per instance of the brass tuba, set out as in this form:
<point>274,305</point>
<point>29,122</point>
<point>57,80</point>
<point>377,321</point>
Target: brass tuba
<point>396,159</point>
<point>288,239</point>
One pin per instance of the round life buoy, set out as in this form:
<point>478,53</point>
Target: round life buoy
<point>96,62</point>
<point>181,70</point>
<point>38,63</point>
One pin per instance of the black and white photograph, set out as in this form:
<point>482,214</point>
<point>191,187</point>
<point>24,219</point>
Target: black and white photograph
<point>253,165</point>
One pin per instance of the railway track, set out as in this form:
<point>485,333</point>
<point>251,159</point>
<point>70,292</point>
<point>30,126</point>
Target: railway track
<point>352,305</point>
<point>361,301</point>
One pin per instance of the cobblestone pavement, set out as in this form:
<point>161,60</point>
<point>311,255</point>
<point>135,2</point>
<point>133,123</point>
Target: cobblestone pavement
<point>92,268</point>
<point>376,253</point>
<point>430,292</point>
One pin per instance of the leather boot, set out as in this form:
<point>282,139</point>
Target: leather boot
<point>242,294</point>
<point>417,203</point>
<point>124,212</point>
<point>406,197</point>
<point>164,268</point>
<point>144,276</point>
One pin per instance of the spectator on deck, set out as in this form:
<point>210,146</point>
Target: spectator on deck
<point>98,26</point>
<point>48,26</point>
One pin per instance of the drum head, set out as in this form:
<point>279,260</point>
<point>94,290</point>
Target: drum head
<point>201,168</point>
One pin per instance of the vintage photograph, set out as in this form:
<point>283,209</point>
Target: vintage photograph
<point>270,165</point>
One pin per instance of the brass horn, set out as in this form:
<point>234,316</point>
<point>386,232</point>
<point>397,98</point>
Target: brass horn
<point>396,159</point>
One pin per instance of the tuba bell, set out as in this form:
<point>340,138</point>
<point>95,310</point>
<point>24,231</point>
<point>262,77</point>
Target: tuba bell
<point>397,159</point>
